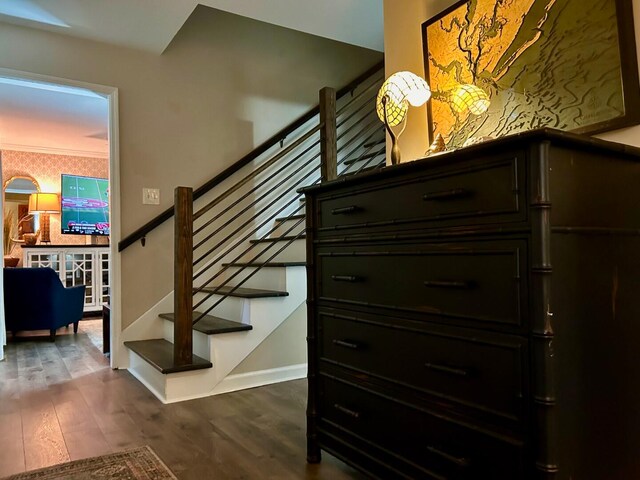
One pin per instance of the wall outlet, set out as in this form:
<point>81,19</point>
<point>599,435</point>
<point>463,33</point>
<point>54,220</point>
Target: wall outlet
<point>151,196</point>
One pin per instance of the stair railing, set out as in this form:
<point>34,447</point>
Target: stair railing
<point>344,138</point>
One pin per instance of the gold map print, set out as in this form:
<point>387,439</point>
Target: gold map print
<point>543,63</point>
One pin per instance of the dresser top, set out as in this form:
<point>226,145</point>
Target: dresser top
<point>556,137</point>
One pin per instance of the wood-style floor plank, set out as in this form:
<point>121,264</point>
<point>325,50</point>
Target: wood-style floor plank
<point>42,436</point>
<point>61,401</point>
<point>11,444</point>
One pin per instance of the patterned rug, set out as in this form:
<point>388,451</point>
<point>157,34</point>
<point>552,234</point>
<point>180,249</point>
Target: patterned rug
<point>136,464</point>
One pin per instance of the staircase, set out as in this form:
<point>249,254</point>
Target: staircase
<point>240,249</point>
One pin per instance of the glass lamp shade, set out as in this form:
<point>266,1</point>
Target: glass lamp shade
<point>44,203</point>
<point>470,97</point>
<point>401,90</point>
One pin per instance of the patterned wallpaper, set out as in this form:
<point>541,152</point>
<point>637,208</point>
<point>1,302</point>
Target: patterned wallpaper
<point>46,169</point>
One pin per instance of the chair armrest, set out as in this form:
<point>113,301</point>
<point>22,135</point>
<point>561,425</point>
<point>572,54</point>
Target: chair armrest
<point>69,305</point>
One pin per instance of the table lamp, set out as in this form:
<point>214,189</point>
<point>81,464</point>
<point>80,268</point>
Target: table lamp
<point>44,204</point>
<point>394,97</point>
<point>470,97</point>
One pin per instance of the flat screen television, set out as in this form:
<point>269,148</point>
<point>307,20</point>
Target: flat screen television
<point>85,205</point>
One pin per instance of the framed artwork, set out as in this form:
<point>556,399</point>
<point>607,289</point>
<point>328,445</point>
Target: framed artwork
<point>498,67</point>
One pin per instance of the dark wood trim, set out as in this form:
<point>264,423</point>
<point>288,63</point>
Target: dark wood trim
<point>313,445</point>
<point>556,137</point>
<point>183,277</point>
<point>141,232</point>
<point>328,135</point>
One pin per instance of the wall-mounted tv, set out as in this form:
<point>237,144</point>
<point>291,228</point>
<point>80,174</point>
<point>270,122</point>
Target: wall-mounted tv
<point>85,205</point>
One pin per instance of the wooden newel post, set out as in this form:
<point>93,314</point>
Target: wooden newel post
<point>328,135</point>
<point>183,277</point>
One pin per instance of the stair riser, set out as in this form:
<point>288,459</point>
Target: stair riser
<point>287,228</point>
<point>295,252</point>
<point>227,350</point>
<point>201,346</point>
<point>269,278</point>
<point>149,376</point>
<point>232,308</point>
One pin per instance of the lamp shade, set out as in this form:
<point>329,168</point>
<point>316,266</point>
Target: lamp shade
<point>44,203</point>
<point>401,90</point>
<point>470,97</point>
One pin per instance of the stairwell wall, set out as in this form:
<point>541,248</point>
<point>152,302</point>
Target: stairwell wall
<point>224,85</point>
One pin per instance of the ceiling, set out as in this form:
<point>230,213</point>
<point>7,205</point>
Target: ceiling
<point>151,24</point>
<point>40,117</point>
<point>50,119</point>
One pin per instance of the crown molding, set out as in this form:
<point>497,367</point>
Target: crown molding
<point>54,151</point>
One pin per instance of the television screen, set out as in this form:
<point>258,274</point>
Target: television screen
<point>85,205</point>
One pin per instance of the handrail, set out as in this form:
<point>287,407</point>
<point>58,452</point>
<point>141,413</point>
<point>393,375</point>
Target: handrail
<point>141,232</point>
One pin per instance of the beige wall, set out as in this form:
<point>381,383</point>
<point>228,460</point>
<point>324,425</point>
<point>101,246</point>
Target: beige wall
<point>284,347</point>
<point>224,85</point>
<point>46,169</point>
<point>403,51</point>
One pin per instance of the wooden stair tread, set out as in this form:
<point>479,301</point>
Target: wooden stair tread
<point>292,217</point>
<point>158,352</point>
<point>210,325</point>
<point>244,292</point>
<point>266,265</point>
<point>277,239</point>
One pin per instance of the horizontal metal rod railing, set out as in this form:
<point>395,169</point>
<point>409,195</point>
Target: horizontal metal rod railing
<point>344,119</point>
<point>211,250</point>
<point>280,136</point>
<point>252,190</point>
<point>247,222</point>
<point>243,281</point>
<point>255,172</point>
<point>266,192</point>
<point>377,153</point>
<point>370,131</point>
<point>251,247</point>
<point>246,236</point>
<point>375,85</point>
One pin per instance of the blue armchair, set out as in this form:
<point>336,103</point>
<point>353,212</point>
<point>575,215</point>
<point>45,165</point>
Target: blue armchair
<point>35,299</point>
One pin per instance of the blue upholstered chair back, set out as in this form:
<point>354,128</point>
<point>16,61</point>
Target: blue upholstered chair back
<point>35,299</point>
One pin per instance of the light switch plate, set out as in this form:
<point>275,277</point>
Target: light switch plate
<point>151,196</point>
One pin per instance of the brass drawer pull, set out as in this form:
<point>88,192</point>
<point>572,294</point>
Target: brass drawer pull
<point>443,368</point>
<point>345,210</point>
<point>459,461</point>
<point>447,195</point>
<point>346,278</point>
<point>345,344</point>
<point>346,411</point>
<point>448,284</point>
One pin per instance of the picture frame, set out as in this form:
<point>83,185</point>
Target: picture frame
<point>569,64</point>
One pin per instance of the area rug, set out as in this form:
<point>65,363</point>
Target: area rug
<point>136,464</point>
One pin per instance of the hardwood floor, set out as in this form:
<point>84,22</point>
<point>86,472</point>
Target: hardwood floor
<point>61,401</point>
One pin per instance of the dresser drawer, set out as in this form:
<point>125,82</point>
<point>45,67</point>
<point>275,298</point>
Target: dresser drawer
<point>484,371</point>
<point>442,448</point>
<point>483,193</point>
<point>468,282</point>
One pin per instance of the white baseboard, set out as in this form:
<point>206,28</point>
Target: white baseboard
<point>259,378</point>
<point>241,381</point>
<point>147,375</point>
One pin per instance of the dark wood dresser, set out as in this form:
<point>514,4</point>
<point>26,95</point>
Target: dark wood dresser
<point>476,315</point>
